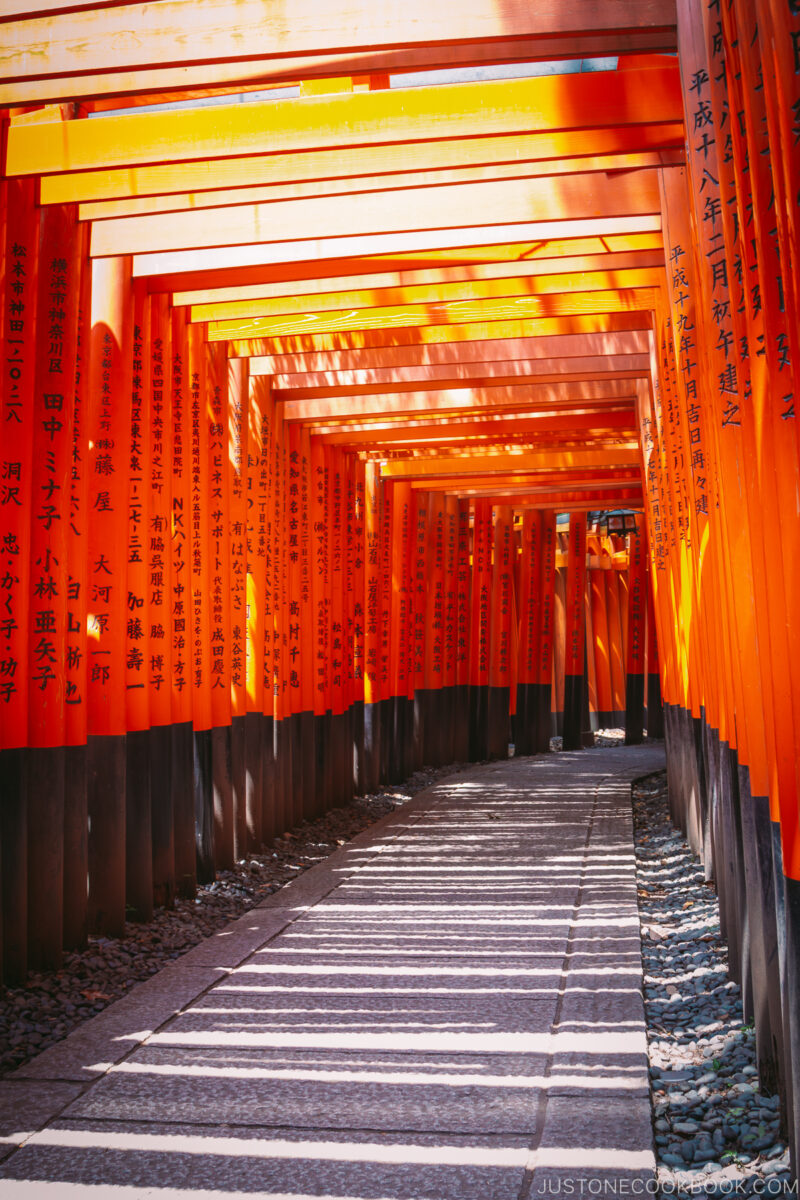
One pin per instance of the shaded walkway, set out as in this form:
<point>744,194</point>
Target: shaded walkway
<point>449,1006</point>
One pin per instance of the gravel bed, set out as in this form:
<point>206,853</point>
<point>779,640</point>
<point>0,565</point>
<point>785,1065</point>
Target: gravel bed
<point>52,1004</point>
<point>716,1132</point>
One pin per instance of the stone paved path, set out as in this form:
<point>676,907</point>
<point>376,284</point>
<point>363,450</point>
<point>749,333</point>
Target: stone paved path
<point>447,1008</point>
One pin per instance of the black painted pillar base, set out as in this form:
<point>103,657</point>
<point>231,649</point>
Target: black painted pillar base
<point>372,747</point>
<point>446,710</point>
<point>45,777</point>
<point>14,864</point>
<point>298,767</point>
<point>347,780</point>
<point>497,722</point>
<point>385,708</point>
<point>204,805</point>
<point>478,723</point>
<point>764,963</point>
<point>573,710</point>
<point>283,760</point>
<point>397,738</point>
<point>105,777</point>
<point>791,992</point>
<point>634,710</point>
<point>222,777</point>
<point>523,727</point>
<point>655,709</point>
<point>138,828</point>
<point>461,723</point>
<point>161,818</point>
<point>183,809</point>
<point>269,814</point>
<point>239,787</point>
<point>76,849</point>
<point>322,760</point>
<point>358,747</point>
<point>253,774</point>
<point>308,754</point>
<point>543,719</point>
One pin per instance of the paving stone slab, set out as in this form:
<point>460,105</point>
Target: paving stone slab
<point>144,1159</point>
<point>26,1104</point>
<point>392,1090</point>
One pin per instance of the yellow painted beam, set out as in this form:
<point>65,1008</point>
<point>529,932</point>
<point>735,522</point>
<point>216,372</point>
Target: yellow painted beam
<point>590,196</point>
<point>430,335</point>
<point>458,399</point>
<point>364,185</point>
<point>415,242</point>
<point>524,308</point>
<point>434,292</point>
<point>581,101</point>
<point>515,355</point>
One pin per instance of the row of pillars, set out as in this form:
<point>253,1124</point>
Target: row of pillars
<point>721,440</point>
<point>214,625</point>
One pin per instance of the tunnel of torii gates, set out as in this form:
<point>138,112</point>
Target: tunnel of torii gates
<point>310,403</point>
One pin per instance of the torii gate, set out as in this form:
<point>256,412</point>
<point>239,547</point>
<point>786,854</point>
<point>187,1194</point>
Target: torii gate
<point>295,387</point>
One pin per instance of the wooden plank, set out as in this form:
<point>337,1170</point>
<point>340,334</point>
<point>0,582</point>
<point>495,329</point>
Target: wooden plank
<point>465,398</point>
<point>328,171</point>
<point>317,291</point>
<point>492,430</point>
<point>415,242</point>
<point>590,195</point>
<point>623,455</point>
<point>524,350</point>
<point>134,36</point>
<point>438,334</point>
<point>432,293</point>
<point>524,308</point>
<point>135,206</point>
<point>511,418</point>
<point>584,101</point>
<point>308,386</point>
<point>221,273</point>
<point>112,88</point>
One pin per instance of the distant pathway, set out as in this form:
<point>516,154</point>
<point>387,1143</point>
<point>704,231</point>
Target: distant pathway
<point>447,1008</point>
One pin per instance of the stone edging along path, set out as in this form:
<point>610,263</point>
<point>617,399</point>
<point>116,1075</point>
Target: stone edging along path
<point>716,1133</point>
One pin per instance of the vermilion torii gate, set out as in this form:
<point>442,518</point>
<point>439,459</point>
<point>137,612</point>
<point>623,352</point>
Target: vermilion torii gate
<point>295,387</point>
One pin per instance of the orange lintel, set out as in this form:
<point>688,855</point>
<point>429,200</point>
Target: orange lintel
<point>313,271</point>
<point>580,101</point>
<point>438,334</point>
<point>463,398</point>
<point>525,308</point>
<point>517,355</point>
<point>511,283</point>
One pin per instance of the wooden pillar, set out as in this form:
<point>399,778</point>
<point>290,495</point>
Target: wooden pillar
<point>575,633</point>
<point>544,680</point>
<point>635,651</point>
<point>180,619</point>
<point>500,634</point>
<point>372,633</point>
<point>359,652</point>
<point>320,591</point>
<point>108,434</point>
<point>56,349</point>
<point>157,359</point>
<point>138,802</point>
<point>529,622</point>
<point>21,252</point>
<point>76,821</point>
<point>461,734</point>
<point>216,416</point>
<point>479,629</point>
<point>238,391</point>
